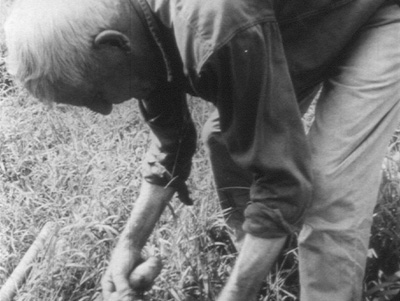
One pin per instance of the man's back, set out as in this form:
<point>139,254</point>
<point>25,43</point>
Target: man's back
<point>313,31</point>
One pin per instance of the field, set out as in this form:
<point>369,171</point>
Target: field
<point>82,171</point>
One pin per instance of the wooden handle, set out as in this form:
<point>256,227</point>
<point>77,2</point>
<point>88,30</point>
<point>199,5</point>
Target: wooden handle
<point>20,273</point>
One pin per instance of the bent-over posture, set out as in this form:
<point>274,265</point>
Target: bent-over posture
<point>258,61</point>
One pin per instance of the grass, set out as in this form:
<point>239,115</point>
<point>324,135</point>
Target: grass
<point>82,171</point>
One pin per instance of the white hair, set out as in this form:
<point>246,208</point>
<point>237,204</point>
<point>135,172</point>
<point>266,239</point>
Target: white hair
<point>49,41</point>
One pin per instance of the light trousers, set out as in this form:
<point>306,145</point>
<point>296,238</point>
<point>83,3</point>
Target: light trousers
<point>355,117</point>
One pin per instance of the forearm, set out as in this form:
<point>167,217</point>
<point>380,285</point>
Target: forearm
<point>127,254</point>
<point>253,264</point>
<point>146,212</point>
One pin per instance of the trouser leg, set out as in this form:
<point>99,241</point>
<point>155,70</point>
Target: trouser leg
<point>355,117</point>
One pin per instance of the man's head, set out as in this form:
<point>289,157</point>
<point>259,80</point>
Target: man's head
<point>89,53</point>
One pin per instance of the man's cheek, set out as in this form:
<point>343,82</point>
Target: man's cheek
<point>100,106</point>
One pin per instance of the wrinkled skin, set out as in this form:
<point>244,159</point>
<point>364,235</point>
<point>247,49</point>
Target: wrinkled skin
<point>126,255</point>
<point>124,69</point>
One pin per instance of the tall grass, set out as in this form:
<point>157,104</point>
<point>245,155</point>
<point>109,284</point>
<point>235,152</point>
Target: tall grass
<point>82,171</point>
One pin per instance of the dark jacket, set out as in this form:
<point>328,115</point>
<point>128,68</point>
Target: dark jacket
<point>253,59</point>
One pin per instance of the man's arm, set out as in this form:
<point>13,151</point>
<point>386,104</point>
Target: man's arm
<point>173,139</point>
<point>262,130</point>
<point>165,169</point>
<point>252,266</point>
<point>126,255</point>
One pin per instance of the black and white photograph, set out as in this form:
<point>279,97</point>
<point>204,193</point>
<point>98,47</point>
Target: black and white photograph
<point>199,150</point>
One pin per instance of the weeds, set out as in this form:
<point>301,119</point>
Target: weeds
<point>383,276</point>
<point>82,171</point>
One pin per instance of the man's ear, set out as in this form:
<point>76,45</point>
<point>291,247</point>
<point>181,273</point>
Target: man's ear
<point>113,38</point>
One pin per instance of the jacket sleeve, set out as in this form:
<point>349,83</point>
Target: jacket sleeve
<point>173,140</point>
<point>261,127</point>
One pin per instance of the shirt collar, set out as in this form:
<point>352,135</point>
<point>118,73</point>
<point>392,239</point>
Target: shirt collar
<point>162,37</point>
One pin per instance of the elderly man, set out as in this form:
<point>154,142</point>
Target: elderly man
<point>257,61</point>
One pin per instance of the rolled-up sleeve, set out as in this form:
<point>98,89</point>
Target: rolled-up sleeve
<point>261,126</point>
<point>173,140</point>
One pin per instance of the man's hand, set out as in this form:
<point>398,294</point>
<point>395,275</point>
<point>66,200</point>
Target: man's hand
<point>252,266</point>
<point>115,282</point>
<point>127,254</point>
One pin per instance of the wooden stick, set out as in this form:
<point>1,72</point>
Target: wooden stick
<point>19,274</point>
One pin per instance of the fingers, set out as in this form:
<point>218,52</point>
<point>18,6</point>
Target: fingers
<point>116,288</point>
<point>121,284</point>
<point>124,296</point>
<point>115,283</point>
<point>107,286</point>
